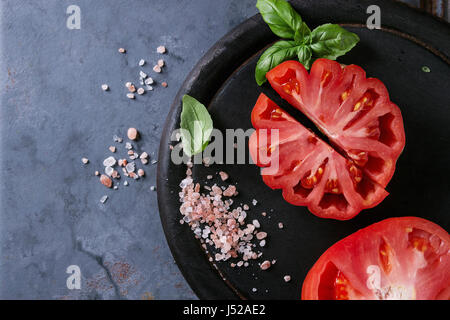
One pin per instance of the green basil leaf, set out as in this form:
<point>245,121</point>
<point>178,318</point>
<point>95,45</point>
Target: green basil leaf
<point>305,56</point>
<point>302,35</point>
<point>331,41</point>
<point>273,56</point>
<point>196,126</point>
<point>282,19</point>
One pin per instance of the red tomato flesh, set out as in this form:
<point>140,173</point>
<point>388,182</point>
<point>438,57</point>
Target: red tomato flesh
<point>354,112</point>
<point>397,258</point>
<point>309,171</point>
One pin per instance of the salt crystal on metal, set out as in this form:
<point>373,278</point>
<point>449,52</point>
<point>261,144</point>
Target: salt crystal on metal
<point>109,162</point>
<point>142,74</point>
<point>109,171</point>
<point>161,49</point>
<point>131,167</point>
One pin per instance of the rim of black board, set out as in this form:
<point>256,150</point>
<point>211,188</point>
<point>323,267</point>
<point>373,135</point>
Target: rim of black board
<point>217,65</point>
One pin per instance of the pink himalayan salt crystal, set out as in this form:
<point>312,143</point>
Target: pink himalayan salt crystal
<point>214,222</point>
<point>230,191</point>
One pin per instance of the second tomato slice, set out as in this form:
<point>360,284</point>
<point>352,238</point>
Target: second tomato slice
<point>354,112</point>
<point>308,170</point>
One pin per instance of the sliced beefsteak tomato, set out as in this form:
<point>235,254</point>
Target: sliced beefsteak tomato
<point>397,258</point>
<point>309,171</point>
<point>354,112</point>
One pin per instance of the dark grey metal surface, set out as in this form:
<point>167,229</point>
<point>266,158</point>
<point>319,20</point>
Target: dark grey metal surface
<point>53,112</point>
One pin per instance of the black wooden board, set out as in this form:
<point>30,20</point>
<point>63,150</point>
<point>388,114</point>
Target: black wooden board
<point>224,81</point>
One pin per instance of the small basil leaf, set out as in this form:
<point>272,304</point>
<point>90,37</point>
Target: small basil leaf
<point>273,56</point>
<point>331,41</point>
<point>302,35</point>
<point>282,19</point>
<point>196,126</point>
<point>305,56</point>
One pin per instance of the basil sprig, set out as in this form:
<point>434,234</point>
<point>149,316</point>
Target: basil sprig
<point>196,126</point>
<point>326,41</point>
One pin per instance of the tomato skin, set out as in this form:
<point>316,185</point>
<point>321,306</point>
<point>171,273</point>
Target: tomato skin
<point>354,112</point>
<point>415,262</point>
<point>302,152</point>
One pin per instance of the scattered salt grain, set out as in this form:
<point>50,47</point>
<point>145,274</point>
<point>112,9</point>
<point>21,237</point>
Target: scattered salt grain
<point>164,84</point>
<point>106,181</point>
<point>230,191</point>
<point>161,63</point>
<point>109,162</point>
<point>254,202</point>
<point>128,84</point>
<point>161,49</point>
<point>262,243</point>
<point>122,50</point>
<point>115,174</point>
<point>130,95</point>
<point>112,149</point>
<point>256,223</point>
<point>132,133</point>
<point>125,183</point>
<point>141,91</point>
<point>132,88</point>
<point>261,235</point>
<point>109,171</point>
<point>153,188</point>
<point>141,62</point>
<point>265,265</point>
<point>157,69</point>
<point>130,167</point>
<point>148,81</point>
<point>97,173</point>
<point>141,173</point>
<point>142,75</point>
<point>223,175</point>
<point>128,146</point>
<point>103,199</point>
<point>287,278</point>
<point>117,139</point>
<point>280,225</point>
<point>254,289</point>
<point>85,160</point>
<point>105,87</point>
<point>144,155</point>
<point>144,161</point>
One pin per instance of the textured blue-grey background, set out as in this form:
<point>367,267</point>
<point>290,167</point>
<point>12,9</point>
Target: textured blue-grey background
<point>53,113</point>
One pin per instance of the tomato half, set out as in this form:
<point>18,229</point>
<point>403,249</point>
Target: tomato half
<point>309,171</point>
<point>353,111</point>
<point>364,127</point>
<point>397,258</point>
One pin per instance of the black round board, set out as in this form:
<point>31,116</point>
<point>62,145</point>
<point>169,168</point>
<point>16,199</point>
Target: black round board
<point>224,81</point>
